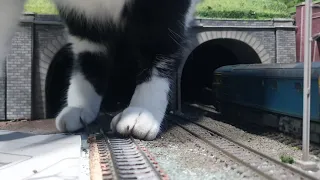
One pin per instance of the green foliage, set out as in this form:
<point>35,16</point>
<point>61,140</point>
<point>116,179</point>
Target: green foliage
<point>287,159</point>
<point>244,9</point>
<point>234,9</point>
<point>40,7</point>
<point>291,4</point>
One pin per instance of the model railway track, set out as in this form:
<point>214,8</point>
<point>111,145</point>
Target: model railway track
<point>121,158</point>
<point>272,133</point>
<point>261,164</point>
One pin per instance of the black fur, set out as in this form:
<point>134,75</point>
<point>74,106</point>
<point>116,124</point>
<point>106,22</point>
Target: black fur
<point>147,42</point>
<point>150,29</point>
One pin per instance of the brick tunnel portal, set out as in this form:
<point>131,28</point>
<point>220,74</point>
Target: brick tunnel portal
<point>197,74</point>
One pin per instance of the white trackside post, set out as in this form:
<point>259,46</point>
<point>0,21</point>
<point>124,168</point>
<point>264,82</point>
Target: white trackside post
<point>307,80</point>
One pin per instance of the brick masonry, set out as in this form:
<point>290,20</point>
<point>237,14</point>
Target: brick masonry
<point>3,92</point>
<point>19,63</point>
<point>23,82</point>
<point>315,48</point>
<point>49,39</point>
<point>286,51</point>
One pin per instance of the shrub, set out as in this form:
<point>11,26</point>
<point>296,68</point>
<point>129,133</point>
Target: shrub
<point>242,9</point>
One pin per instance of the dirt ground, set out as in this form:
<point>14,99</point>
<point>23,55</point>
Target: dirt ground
<point>46,126</point>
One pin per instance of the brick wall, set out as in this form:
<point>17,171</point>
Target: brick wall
<point>19,64</point>
<point>3,91</point>
<point>49,39</point>
<point>300,32</point>
<point>22,89</point>
<point>243,23</point>
<point>286,46</point>
<point>277,36</point>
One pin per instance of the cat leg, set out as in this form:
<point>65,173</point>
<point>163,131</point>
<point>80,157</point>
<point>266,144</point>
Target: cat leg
<point>87,85</point>
<point>10,13</point>
<point>146,110</point>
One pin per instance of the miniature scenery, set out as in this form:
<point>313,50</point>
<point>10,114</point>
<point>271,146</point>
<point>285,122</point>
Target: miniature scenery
<point>235,110</point>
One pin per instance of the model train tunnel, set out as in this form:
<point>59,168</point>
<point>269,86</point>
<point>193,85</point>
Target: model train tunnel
<point>56,84</point>
<point>197,74</point>
<point>121,83</point>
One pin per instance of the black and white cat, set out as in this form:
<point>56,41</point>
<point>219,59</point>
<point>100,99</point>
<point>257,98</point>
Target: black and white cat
<point>149,32</point>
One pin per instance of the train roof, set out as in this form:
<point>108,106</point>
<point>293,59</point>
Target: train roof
<point>273,70</point>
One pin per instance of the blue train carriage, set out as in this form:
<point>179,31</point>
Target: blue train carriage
<point>268,94</point>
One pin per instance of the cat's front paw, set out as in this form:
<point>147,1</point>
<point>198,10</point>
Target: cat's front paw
<point>138,122</point>
<point>68,119</point>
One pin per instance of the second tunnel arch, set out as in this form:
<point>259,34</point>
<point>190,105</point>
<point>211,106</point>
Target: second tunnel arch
<point>242,45</point>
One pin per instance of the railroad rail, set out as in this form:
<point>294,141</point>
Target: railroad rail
<point>113,158</point>
<point>269,132</point>
<point>259,163</point>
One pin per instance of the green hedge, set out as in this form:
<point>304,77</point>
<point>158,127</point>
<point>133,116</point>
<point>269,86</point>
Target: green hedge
<point>40,7</point>
<point>235,9</point>
<point>235,14</point>
<point>244,9</point>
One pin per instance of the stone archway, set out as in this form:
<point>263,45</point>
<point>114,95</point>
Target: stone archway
<point>57,81</point>
<point>41,70</point>
<point>242,36</point>
<point>200,38</point>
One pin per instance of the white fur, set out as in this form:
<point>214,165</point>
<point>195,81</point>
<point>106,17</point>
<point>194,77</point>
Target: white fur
<point>146,111</point>
<point>96,9</point>
<point>10,12</point>
<point>191,11</point>
<point>81,45</point>
<point>83,101</point>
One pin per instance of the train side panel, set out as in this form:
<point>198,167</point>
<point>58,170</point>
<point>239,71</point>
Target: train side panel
<point>269,94</point>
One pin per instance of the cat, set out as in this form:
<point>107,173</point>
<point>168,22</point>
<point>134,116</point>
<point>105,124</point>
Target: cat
<point>150,33</point>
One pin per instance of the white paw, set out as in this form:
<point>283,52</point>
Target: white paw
<point>68,119</point>
<point>138,122</point>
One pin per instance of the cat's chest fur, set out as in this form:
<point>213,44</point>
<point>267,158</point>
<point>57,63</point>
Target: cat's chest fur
<point>95,9</point>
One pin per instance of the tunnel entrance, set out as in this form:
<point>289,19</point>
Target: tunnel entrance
<point>197,75</point>
<point>57,81</point>
<point>121,83</point>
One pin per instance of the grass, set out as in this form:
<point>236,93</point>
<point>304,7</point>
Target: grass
<point>286,159</point>
<point>40,7</point>
<point>243,9</point>
<point>230,9</point>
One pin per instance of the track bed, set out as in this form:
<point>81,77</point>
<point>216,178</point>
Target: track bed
<point>195,150</point>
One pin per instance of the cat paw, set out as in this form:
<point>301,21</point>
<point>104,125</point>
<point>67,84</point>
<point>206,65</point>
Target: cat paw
<point>137,122</point>
<point>68,119</point>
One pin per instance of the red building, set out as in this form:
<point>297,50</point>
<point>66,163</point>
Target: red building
<point>300,13</point>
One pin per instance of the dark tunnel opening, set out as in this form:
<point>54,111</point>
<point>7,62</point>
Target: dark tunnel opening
<point>57,81</point>
<point>197,75</point>
<point>121,83</point>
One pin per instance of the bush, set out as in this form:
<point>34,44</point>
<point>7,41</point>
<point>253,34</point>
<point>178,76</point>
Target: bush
<point>242,9</point>
<point>287,159</point>
<point>40,7</point>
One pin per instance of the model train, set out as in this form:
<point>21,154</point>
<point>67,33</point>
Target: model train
<point>269,95</point>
